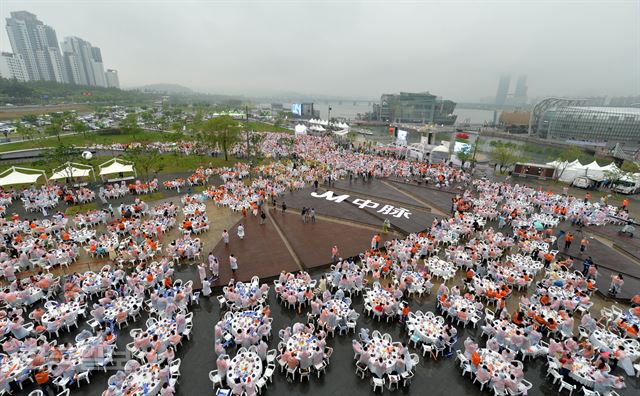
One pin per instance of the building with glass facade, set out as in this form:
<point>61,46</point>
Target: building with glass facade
<point>592,124</point>
<point>420,108</point>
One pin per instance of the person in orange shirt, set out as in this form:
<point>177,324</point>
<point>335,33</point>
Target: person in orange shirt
<point>551,325</point>
<point>65,236</point>
<point>625,203</point>
<point>475,359</point>
<point>583,244</point>
<point>405,313</point>
<point>548,257</point>
<point>469,275</point>
<point>42,379</point>
<point>567,241</point>
<point>518,318</point>
<point>544,300</point>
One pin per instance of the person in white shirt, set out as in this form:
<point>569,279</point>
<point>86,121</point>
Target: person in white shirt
<point>241,231</point>
<point>233,263</point>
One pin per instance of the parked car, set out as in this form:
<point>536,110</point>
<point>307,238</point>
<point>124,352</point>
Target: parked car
<point>583,182</point>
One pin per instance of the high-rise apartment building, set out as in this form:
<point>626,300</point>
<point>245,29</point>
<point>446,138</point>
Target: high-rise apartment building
<point>112,78</point>
<point>503,90</point>
<point>520,94</point>
<point>84,62</point>
<point>13,66</point>
<point>38,45</point>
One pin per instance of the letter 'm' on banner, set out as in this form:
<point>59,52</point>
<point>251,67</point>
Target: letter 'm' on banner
<point>328,195</point>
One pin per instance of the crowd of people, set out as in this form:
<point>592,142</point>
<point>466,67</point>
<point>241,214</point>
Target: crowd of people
<point>501,236</point>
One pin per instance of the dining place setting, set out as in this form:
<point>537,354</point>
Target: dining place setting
<point>380,302</point>
<point>425,326</point>
<point>238,326</point>
<point>440,268</point>
<point>143,381</point>
<point>243,295</point>
<point>388,362</point>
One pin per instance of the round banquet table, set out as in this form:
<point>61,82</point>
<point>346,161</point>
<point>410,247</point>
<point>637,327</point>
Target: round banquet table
<point>418,280</point>
<point>245,366</point>
<point>246,321</point>
<point>302,341</point>
<point>296,284</point>
<point>59,310</point>
<point>605,340</point>
<point>141,382</point>
<point>338,307</point>
<point>460,302</point>
<point>583,371</point>
<point>119,304</point>
<point>379,296</point>
<point>381,348</point>
<point>427,328</point>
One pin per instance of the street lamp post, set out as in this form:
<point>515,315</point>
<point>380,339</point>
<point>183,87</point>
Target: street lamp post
<point>329,118</point>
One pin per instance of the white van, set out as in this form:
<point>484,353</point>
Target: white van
<point>582,182</point>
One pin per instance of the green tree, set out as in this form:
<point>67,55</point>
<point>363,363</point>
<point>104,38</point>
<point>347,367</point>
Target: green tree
<point>130,125</point>
<point>465,156</point>
<point>504,156</point>
<point>566,156</point>
<point>630,166</point>
<point>146,116</point>
<point>61,154</point>
<point>147,162</point>
<point>222,132</point>
<point>80,127</point>
<point>27,132</point>
<point>53,129</point>
<point>30,118</point>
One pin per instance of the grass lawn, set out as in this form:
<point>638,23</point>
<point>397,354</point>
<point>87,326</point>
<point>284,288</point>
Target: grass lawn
<point>173,163</point>
<point>90,138</point>
<point>75,209</point>
<point>264,127</point>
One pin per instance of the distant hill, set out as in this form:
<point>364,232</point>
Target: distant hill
<point>166,89</point>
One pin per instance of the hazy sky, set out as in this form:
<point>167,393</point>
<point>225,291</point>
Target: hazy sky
<point>456,49</point>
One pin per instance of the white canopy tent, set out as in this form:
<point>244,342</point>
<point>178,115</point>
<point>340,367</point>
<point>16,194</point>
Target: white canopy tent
<point>72,170</point>
<point>595,172</point>
<point>300,129</point>
<point>568,171</point>
<point>439,154</point>
<point>573,170</point>
<point>18,175</point>
<point>341,132</point>
<point>117,165</point>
